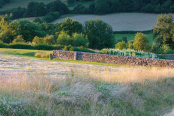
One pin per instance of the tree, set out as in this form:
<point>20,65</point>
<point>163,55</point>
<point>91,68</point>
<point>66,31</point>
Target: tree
<point>99,34</point>
<point>64,39</point>
<point>163,30</point>
<point>27,29</point>
<point>79,40</point>
<point>56,6</point>
<point>70,26</point>
<point>70,2</point>
<point>141,42</point>
<point>6,34</point>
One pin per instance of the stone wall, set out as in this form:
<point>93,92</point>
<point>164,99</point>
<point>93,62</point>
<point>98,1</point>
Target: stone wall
<point>169,56</point>
<point>123,60</point>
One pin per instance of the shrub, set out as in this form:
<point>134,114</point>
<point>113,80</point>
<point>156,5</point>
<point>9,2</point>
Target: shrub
<point>19,39</point>
<point>20,46</point>
<point>43,47</point>
<point>130,44</point>
<point>141,42</point>
<point>41,55</point>
<point>2,45</point>
<point>38,55</point>
<point>120,45</point>
<point>37,40</point>
<point>165,49</point>
<point>49,39</point>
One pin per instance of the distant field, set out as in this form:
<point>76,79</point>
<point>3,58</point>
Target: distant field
<point>132,36</point>
<point>120,21</point>
<point>24,3</point>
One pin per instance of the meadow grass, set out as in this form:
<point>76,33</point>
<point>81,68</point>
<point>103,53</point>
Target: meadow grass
<point>89,92</point>
<point>123,91</point>
<point>132,36</point>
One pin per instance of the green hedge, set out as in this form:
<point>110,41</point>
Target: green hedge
<point>43,47</point>
<point>132,32</point>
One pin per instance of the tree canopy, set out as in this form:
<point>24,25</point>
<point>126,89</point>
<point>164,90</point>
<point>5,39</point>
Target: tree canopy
<point>99,34</point>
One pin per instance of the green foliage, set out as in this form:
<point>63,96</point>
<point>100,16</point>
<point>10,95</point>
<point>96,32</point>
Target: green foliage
<point>27,29</point>
<point>80,49</point>
<point>64,39</point>
<point>20,46</point>
<point>35,9</point>
<point>38,20</point>
<point>165,49</point>
<point>120,45</point>
<point>70,26</point>
<point>56,6</point>
<point>79,40</point>
<point>50,17</point>
<point>49,39</point>
<point>141,42</point>
<point>70,2</point>
<point>37,40</point>
<point>76,40</point>
<point>99,34</point>
<point>130,44</point>
<point>19,39</point>
<point>163,30</point>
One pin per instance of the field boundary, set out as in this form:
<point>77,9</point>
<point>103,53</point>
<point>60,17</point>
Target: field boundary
<point>116,59</point>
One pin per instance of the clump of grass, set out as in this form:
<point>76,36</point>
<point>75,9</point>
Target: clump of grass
<point>89,92</point>
<point>41,55</point>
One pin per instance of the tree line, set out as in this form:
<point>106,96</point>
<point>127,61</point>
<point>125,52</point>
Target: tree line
<point>112,6</point>
<point>36,9</point>
<point>3,2</point>
<point>95,34</point>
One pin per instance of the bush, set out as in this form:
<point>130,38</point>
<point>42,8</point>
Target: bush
<point>20,46</point>
<point>19,39</point>
<point>141,42</point>
<point>41,55</point>
<point>37,40</point>
<point>49,39</point>
<point>43,47</point>
<point>120,45</point>
<point>130,44</point>
<point>165,49</point>
<point>2,45</point>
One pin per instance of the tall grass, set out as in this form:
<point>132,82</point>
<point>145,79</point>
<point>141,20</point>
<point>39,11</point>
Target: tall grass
<point>99,91</point>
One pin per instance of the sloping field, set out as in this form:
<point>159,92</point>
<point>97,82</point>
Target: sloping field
<point>120,21</point>
<point>38,87</point>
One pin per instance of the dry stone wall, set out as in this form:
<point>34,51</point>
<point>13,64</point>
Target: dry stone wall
<point>123,60</point>
<point>169,56</point>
